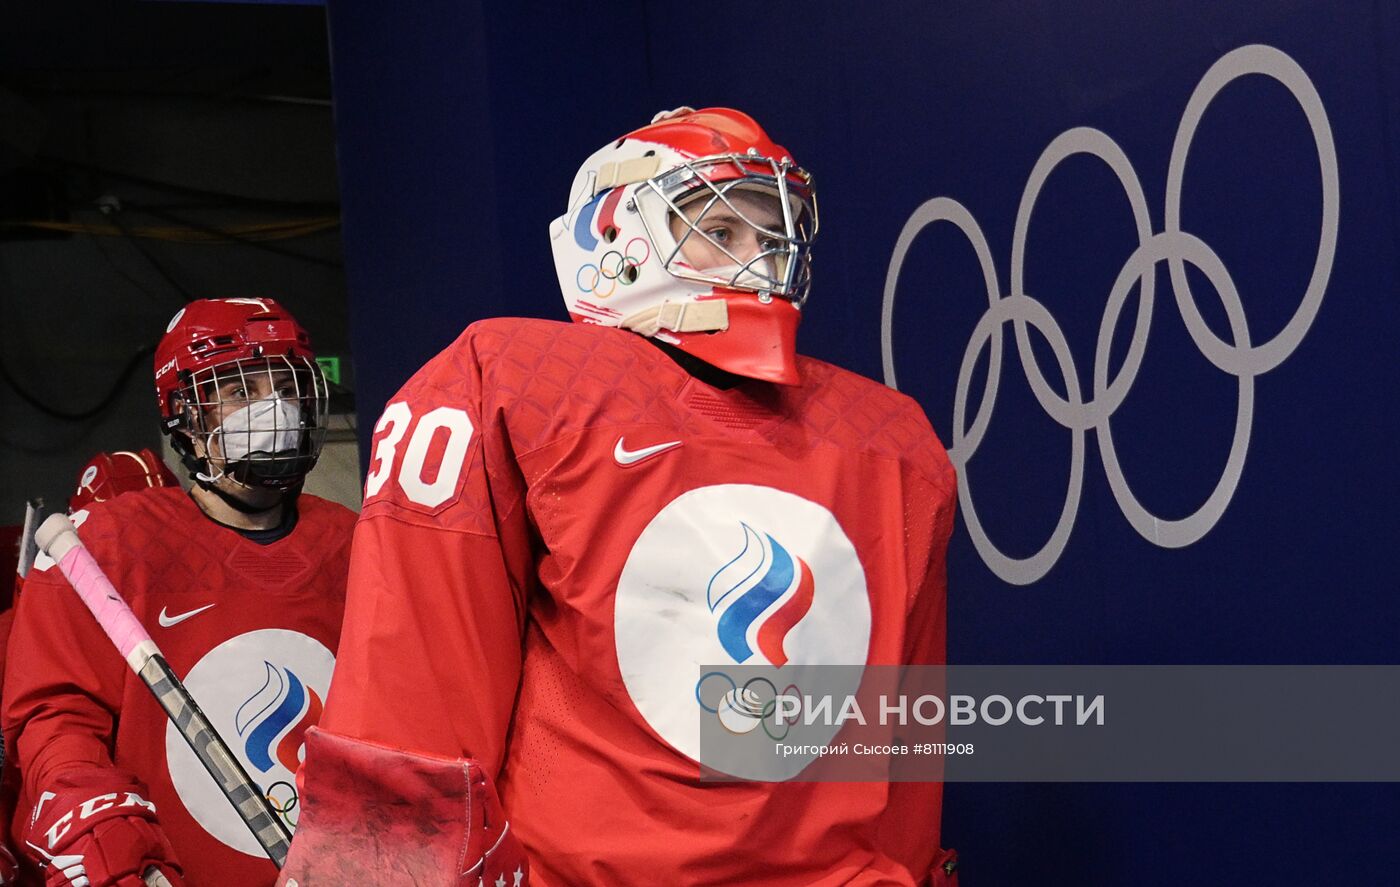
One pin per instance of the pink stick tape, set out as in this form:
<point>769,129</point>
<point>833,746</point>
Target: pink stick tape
<point>102,599</point>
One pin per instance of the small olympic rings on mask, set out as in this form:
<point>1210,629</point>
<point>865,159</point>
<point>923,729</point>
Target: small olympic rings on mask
<point>641,241</point>
<point>623,266</point>
<point>615,267</point>
<point>586,285</point>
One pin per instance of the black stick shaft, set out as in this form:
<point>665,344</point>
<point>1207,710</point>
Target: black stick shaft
<point>204,740</point>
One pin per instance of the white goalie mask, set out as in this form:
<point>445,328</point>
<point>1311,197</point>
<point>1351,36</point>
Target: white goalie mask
<point>697,231</point>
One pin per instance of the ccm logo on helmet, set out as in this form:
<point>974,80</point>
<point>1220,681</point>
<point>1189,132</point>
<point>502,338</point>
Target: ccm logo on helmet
<point>170,365</point>
<point>91,807</point>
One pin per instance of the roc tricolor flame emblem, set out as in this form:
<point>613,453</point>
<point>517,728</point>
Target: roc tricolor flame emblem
<point>262,691</point>
<point>263,717</point>
<point>760,596</point>
<point>735,576</point>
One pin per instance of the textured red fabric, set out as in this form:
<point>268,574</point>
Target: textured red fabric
<point>98,825</point>
<point>482,619</point>
<point>380,817</point>
<point>70,700</point>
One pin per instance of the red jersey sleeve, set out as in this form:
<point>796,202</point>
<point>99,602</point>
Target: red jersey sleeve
<point>63,680</point>
<point>933,513</point>
<point>441,569</point>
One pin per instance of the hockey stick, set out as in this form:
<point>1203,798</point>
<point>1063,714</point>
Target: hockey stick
<point>59,540</point>
<point>33,515</point>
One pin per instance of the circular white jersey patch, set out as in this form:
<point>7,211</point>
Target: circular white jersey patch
<point>733,574</point>
<point>261,691</point>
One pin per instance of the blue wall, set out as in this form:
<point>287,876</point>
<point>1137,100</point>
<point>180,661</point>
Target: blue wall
<point>461,124</point>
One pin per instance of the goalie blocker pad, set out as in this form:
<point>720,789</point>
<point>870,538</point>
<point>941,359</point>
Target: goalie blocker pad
<point>377,816</point>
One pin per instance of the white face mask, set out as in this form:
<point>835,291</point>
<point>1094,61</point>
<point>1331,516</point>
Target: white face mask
<point>267,426</point>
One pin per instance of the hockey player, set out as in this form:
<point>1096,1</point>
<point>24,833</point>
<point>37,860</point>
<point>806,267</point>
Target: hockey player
<point>104,476</point>
<point>240,581</point>
<point>545,507</point>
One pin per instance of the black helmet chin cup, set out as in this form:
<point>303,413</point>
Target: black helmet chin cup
<point>276,471</point>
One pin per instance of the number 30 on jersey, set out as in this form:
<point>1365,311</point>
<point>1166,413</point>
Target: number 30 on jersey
<point>410,471</point>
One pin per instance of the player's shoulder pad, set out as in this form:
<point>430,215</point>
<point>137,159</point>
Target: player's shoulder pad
<point>885,421</point>
<point>498,337</point>
<point>103,526</point>
<point>454,374</point>
<point>335,515</point>
<point>499,358</point>
<point>515,349</point>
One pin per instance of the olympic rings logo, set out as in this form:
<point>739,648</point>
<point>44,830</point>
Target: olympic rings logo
<point>1239,358</point>
<point>616,266</point>
<point>283,797</point>
<point>741,709</point>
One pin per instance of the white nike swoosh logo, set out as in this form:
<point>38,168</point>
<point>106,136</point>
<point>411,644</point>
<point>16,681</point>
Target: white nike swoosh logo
<point>625,457</point>
<point>169,621</point>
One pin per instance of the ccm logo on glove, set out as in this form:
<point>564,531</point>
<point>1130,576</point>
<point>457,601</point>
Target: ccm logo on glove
<point>85,810</point>
<point>95,828</point>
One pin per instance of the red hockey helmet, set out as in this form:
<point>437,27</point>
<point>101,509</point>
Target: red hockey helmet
<point>111,474</point>
<point>696,230</point>
<point>239,377</point>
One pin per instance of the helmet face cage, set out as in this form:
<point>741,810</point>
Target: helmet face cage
<point>261,421</point>
<point>782,267</point>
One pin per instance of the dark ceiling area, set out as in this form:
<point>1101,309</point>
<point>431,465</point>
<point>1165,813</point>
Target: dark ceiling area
<point>220,50</point>
<point>151,153</point>
<point>222,53</point>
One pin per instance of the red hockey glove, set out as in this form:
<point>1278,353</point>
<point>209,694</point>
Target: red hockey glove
<point>95,828</point>
<point>375,816</point>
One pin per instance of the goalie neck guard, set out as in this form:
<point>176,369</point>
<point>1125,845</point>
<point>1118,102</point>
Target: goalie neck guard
<point>695,230</point>
<point>240,393</point>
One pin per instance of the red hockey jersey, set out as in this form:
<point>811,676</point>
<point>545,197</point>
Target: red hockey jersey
<point>545,506</point>
<point>250,629</point>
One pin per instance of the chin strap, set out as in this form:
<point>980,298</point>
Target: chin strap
<point>288,493</point>
<point>680,317</point>
<point>195,466</point>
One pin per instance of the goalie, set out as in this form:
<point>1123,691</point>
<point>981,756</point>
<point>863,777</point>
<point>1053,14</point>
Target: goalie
<point>545,506</point>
